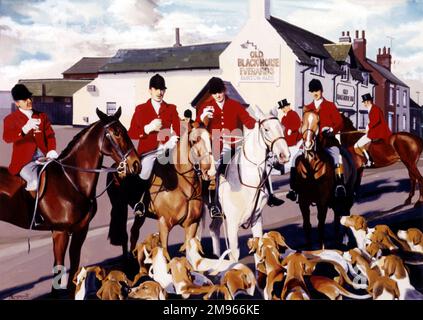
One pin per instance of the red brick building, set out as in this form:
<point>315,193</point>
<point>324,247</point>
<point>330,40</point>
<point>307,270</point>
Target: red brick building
<point>391,94</point>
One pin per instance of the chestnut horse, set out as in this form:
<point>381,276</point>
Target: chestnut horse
<point>402,146</point>
<point>315,182</point>
<point>67,189</point>
<point>175,192</point>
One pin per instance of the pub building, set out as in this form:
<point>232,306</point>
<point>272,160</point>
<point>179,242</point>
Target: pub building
<point>258,70</point>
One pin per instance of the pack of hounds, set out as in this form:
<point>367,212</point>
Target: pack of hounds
<point>373,269</point>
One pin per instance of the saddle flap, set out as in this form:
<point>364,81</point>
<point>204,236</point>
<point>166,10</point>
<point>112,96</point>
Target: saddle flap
<point>167,174</point>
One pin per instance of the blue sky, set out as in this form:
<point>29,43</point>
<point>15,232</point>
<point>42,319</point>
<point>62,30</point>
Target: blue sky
<point>42,38</point>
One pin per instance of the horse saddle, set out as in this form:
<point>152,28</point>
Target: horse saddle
<point>10,184</point>
<point>167,174</point>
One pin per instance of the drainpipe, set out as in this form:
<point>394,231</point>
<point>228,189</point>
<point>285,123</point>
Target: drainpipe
<point>357,107</point>
<point>303,80</point>
<point>334,87</point>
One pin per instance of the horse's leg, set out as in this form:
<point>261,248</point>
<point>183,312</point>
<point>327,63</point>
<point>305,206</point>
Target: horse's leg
<point>135,231</point>
<point>190,232</point>
<point>233,238</point>
<point>321,216</point>
<point>60,244</point>
<point>412,185</point>
<point>77,241</point>
<point>164,235</point>
<point>305,211</point>
<point>415,177</point>
<point>215,235</point>
<point>257,231</point>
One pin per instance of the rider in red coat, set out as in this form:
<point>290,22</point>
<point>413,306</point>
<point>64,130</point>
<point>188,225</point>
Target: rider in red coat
<point>32,136</point>
<point>151,124</point>
<point>224,117</point>
<point>376,129</point>
<point>291,122</point>
<point>330,124</point>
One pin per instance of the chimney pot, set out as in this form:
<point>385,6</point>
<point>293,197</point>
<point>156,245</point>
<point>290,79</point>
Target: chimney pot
<point>177,38</point>
<point>384,50</point>
<point>348,33</point>
<point>389,50</point>
<point>380,51</point>
<point>363,34</point>
<point>356,34</point>
<point>343,33</point>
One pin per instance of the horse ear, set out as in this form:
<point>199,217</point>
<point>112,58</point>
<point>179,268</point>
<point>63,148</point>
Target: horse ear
<point>101,115</point>
<point>118,113</point>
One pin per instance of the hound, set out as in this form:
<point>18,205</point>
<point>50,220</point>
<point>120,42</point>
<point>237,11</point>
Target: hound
<point>148,290</point>
<point>85,280</point>
<point>114,286</point>
<point>414,238</point>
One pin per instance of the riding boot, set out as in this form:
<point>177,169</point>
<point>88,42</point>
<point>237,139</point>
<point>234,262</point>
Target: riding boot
<point>292,195</point>
<point>214,209</point>
<point>340,190</point>
<point>369,162</point>
<point>272,200</point>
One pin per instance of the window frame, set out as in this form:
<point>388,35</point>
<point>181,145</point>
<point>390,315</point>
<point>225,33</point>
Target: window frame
<point>108,109</point>
<point>319,66</point>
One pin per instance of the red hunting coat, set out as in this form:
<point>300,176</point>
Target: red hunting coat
<point>144,114</point>
<point>291,121</point>
<point>328,114</point>
<point>232,116</point>
<point>378,128</point>
<point>25,145</point>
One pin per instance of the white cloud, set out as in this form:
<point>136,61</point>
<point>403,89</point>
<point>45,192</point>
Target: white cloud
<point>135,12</point>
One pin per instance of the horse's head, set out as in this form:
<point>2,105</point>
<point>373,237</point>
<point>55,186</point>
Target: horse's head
<point>117,144</point>
<point>272,133</point>
<point>310,130</point>
<point>201,152</point>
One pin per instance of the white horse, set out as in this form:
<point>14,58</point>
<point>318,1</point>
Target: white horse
<point>242,192</point>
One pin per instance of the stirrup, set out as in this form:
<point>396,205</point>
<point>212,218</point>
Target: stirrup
<point>139,209</point>
<point>215,212</point>
<point>368,164</point>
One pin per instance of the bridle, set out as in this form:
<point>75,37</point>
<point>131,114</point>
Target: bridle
<point>268,141</point>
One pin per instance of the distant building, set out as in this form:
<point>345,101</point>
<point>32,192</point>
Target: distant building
<point>6,103</point>
<point>54,97</point>
<point>391,94</point>
<point>85,69</point>
<point>416,118</point>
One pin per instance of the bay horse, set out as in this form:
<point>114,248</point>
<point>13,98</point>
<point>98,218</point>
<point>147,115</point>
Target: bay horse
<point>242,194</point>
<point>315,182</point>
<point>402,146</point>
<point>67,189</point>
<point>175,192</point>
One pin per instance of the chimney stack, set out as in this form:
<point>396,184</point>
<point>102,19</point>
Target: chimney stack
<point>177,38</point>
<point>384,58</point>
<point>259,9</point>
<point>345,38</point>
<point>359,45</point>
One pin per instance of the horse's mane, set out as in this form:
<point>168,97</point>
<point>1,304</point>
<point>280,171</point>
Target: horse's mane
<point>75,140</point>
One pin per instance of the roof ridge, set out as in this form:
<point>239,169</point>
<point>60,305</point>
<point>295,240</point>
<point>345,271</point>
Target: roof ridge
<point>176,48</point>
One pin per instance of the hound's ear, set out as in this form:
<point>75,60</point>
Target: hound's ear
<point>389,267</point>
<point>417,238</point>
<point>101,115</point>
<point>360,223</point>
<point>118,113</point>
<point>252,244</point>
<point>275,235</point>
<point>100,273</point>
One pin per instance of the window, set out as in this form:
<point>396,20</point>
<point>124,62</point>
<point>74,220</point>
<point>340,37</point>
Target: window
<point>110,108</point>
<point>414,123</point>
<point>397,98</point>
<point>404,99</point>
<point>346,73</point>
<point>404,122</point>
<point>363,119</point>
<point>390,120</point>
<point>391,95</point>
<point>365,79</point>
<point>318,68</point>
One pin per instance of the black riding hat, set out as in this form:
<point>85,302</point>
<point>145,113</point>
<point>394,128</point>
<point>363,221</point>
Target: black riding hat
<point>367,97</point>
<point>188,113</point>
<point>157,82</point>
<point>283,103</point>
<point>216,85</point>
<point>20,92</point>
<point>315,85</point>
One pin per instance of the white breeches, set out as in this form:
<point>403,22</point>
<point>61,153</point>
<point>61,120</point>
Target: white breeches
<point>147,164</point>
<point>29,172</point>
<point>362,142</point>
